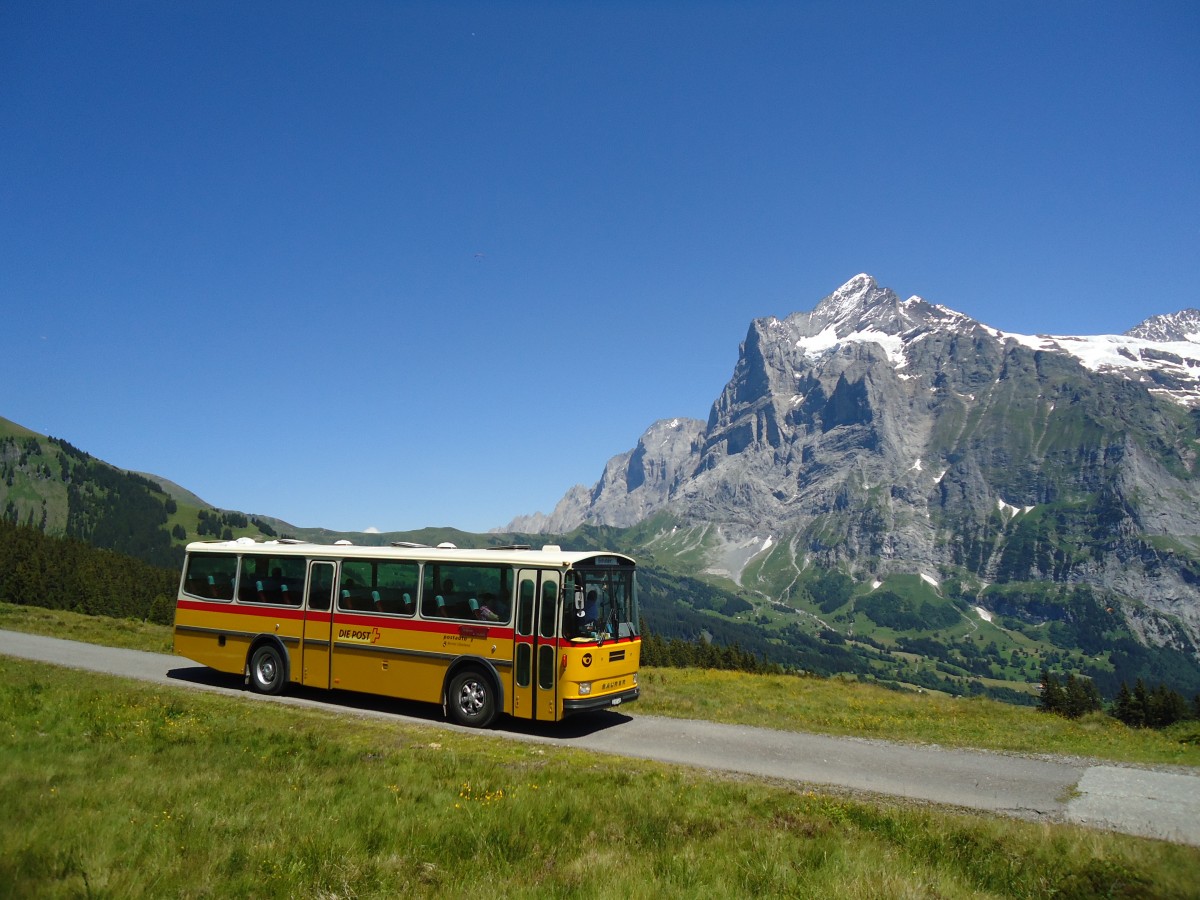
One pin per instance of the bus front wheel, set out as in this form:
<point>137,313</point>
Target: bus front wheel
<point>472,699</point>
<point>267,672</point>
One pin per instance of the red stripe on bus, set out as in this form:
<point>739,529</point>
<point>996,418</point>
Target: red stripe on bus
<point>448,626</point>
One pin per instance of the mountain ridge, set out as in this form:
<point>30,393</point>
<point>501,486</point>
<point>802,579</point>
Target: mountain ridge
<point>879,436</point>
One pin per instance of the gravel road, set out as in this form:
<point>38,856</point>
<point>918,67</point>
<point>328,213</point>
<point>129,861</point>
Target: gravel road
<point>1151,802</point>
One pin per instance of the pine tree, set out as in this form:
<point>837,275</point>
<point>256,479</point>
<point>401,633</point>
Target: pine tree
<point>1126,708</point>
<point>1166,707</point>
<point>1141,701</point>
<point>1082,697</point>
<point>1053,698</point>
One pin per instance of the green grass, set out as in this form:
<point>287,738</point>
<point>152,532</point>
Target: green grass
<point>111,788</point>
<point>845,707</point>
<point>789,703</point>
<point>131,634</point>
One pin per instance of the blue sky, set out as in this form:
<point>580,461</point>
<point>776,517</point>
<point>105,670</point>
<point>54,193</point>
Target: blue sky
<point>391,265</point>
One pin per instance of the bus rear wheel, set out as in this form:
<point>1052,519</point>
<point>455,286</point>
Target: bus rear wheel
<point>472,699</point>
<point>267,672</point>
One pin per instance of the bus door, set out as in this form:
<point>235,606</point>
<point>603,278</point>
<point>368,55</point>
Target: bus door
<point>316,643</point>
<point>535,645</point>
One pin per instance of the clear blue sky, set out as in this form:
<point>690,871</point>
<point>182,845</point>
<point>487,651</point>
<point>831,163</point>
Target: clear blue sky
<point>389,265</point>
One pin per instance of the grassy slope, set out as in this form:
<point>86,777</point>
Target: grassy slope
<point>844,707</point>
<point>118,789</point>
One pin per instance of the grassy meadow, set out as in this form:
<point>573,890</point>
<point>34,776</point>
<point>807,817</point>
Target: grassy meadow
<point>847,707</point>
<point>112,788</point>
<point>129,634</point>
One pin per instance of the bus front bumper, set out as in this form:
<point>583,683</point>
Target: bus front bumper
<point>607,701</point>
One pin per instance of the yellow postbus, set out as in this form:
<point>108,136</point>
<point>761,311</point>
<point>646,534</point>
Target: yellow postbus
<point>537,634</point>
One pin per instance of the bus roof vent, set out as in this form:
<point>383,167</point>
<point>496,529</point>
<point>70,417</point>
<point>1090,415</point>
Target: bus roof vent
<point>410,545</point>
<point>290,541</point>
<point>343,543</point>
<point>446,545</point>
<point>512,547</point>
<point>551,548</point>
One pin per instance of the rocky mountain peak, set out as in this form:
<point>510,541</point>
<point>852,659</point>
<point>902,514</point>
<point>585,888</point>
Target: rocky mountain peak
<point>1180,326</point>
<point>877,435</point>
<point>634,483</point>
<point>861,310</point>
<point>858,295</point>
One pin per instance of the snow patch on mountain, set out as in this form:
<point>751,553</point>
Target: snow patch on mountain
<point>1168,368</point>
<point>1163,353</point>
<point>1116,351</point>
<point>1007,509</point>
<point>828,340</point>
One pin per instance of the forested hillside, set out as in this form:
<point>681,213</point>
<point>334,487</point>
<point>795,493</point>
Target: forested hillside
<point>67,573</point>
<point>48,484</point>
<point>56,488</point>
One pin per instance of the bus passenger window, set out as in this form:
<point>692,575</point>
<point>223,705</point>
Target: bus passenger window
<point>210,575</point>
<point>355,589</point>
<point>395,584</point>
<point>275,580</point>
<point>471,591</point>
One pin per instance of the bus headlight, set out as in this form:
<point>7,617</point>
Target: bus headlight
<point>585,688</point>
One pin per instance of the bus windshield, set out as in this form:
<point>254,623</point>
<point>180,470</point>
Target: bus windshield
<point>601,603</point>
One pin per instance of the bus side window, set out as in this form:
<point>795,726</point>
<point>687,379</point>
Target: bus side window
<point>355,586</point>
<point>253,571</point>
<point>395,583</point>
<point>277,581</point>
<point>210,576</point>
<point>433,594</point>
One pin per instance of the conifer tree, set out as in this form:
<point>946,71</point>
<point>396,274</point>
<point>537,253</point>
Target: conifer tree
<point>1079,697</point>
<point>1141,700</point>
<point>1126,708</point>
<point>1052,699</point>
<point>1166,707</point>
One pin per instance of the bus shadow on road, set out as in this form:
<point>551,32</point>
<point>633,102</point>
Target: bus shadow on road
<point>578,726</point>
<point>203,675</point>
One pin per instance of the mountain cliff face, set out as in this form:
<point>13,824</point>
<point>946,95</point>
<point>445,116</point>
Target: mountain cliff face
<point>634,485</point>
<point>878,435</point>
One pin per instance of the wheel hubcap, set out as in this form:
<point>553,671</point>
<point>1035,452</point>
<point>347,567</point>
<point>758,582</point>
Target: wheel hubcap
<point>471,698</point>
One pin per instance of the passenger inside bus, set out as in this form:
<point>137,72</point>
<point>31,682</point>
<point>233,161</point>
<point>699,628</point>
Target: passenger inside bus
<point>485,608</point>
